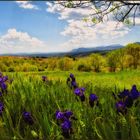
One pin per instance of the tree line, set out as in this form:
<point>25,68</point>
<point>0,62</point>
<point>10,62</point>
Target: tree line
<point>127,57</point>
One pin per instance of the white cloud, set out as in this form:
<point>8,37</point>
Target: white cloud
<point>26,5</point>
<point>16,41</point>
<point>86,34</point>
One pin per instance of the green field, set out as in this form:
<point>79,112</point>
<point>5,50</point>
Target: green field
<point>29,92</point>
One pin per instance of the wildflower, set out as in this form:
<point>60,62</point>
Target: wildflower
<point>134,92</point>
<point>82,97</point>
<point>44,78</point>
<point>1,80</point>
<point>80,92</point>
<point>3,86</point>
<point>63,115</point>
<point>27,117</point>
<point>120,106</point>
<point>72,76</point>
<point>92,99</point>
<point>128,102</point>
<point>68,114</point>
<point>66,127</point>
<point>63,119</point>
<point>5,78</point>
<point>77,91</point>
<point>124,93</point>
<point>1,108</point>
<point>0,93</point>
<point>73,84</point>
<point>59,115</point>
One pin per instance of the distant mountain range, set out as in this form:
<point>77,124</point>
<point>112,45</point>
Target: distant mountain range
<point>73,53</point>
<point>100,48</point>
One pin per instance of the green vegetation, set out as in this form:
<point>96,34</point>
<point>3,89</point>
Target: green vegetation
<point>117,60</point>
<point>29,92</point>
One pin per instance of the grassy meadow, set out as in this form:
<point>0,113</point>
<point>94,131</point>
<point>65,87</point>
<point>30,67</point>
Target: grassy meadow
<point>28,92</point>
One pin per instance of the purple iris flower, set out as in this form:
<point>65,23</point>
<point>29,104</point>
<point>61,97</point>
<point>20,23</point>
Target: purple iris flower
<point>80,92</point>
<point>92,99</point>
<point>128,102</point>
<point>74,84</point>
<point>44,78</point>
<point>5,78</point>
<point>82,97</point>
<point>124,93</point>
<point>66,127</point>
<point>68,114</point>
<point>134,92</point>
<point>59,115</point>
<point>3,86</point>
<point>72,76</point>
<point>1,108</point>
<point>1,79</point>
<point>28,117</point>
<point>77,91</point>
<point>63,119</point>
<point>120,106</point>
<point>82,89</point>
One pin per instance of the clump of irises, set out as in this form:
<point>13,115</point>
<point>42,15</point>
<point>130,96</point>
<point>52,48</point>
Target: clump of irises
<point>71,81</point>
<point>93,100</point>
<point>44,78</point>
<point>3,85</point>
<point>1,108</point>
<point>127,99</point>
<point>80,92</point>
<point>64,120</point>
<point>28,118</point>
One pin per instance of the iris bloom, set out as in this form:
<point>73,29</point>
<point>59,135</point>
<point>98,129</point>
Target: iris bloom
<point>66,127</point>
<point>28,117</point>
<point>63,119</point>
<point>1,108</point>
<point>120,106</point>
<point>124,93</point>
<point>134,92</point>
<point>44,78</point>
<point>92,99</point>
<point>80,92</point>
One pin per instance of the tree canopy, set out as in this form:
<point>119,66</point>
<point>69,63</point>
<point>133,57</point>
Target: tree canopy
<point>120,10</point>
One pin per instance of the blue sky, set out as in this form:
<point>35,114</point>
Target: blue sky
<point>45,27</point>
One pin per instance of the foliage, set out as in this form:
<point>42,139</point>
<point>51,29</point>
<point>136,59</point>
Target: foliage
<point>120,59</point>
<point>29,92</point>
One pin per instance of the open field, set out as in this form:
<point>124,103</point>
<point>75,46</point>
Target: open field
<point>28,92</point>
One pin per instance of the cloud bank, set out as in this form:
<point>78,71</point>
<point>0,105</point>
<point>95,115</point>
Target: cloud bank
<point>16,41</point>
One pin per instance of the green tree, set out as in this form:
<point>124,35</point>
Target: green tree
<point>133,49</point>
<point>97,62</point>
<point>112,60</point>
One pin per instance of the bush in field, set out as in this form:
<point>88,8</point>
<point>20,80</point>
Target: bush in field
<point>97,62</point>
<point>52,63</point>
<point>83,64</point>
<point>133,49</point>
<point>27,67</point>
<point>82,67</point>
<point>65,63</point>
<point>112,60</point>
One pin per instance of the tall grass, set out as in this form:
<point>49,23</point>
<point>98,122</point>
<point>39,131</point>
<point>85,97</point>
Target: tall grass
<point>29,92</point>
